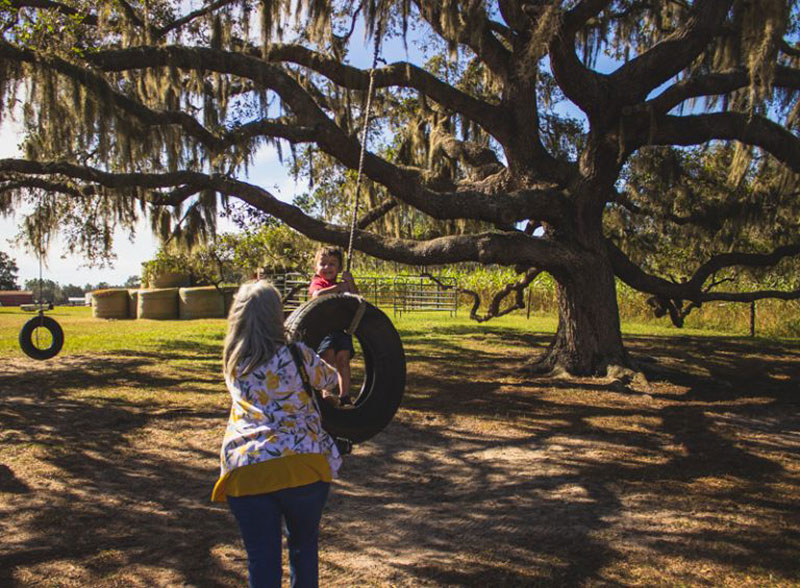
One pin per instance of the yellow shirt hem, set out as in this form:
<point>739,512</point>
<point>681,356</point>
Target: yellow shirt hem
<point>272,475</point>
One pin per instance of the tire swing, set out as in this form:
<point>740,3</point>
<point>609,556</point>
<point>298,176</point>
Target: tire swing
<point>384,359</point>
<point>384,362</point>
<point>31,341</point>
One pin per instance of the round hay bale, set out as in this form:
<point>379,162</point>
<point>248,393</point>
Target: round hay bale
<point>169,280</point>
<point>111,303</point>
<point>160,304</point>
<point>201,302</point>
<point>133,302</point>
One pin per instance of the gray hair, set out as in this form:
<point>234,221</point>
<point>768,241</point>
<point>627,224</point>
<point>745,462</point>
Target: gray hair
<point>255,329</point>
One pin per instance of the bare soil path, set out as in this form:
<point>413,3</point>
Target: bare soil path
<point>486,476</point>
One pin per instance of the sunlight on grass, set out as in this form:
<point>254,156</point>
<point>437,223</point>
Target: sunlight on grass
<point>85,334</point>
<point>202,339</point>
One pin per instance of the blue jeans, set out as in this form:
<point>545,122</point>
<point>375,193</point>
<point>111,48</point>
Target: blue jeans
<point>259,518</point>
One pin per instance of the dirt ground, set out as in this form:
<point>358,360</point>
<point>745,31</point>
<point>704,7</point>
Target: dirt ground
<point>485,477</point>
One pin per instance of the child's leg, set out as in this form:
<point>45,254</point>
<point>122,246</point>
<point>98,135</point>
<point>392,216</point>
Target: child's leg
<point>343,367</point>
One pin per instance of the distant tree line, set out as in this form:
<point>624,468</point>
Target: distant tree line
<point>52,291</point>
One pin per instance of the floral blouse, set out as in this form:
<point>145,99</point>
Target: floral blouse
<point>272,415</point>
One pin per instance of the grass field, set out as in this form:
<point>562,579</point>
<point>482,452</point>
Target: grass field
<point>487,476</point>
<point>85,334</point>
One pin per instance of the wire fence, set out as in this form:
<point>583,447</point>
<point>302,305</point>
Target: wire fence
<point>400,293</point>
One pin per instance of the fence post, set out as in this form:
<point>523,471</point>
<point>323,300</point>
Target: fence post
<point>394,295</point>
<point>753,318</point>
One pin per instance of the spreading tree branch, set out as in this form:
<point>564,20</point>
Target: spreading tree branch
<point>482,160</point>
<point>489,247</point>
<point>634,80</point>
<point>474,31</point>
<point>584,87</point>
<point>15,183</point>
<point>668,293</point>
<point>314,125</point>
<point>188,18</point>
<point>494,310</point>
<point>99,86</point>
<point>491,117</point>
<point>405,184</point>
<point>751,296</point>
<point>88,19</point>
<point>717,83</point>
<point>749,129</point>
<point>580,14</point>
<point>376,213</point>
<point>789,50</point>
<point>710,218</point>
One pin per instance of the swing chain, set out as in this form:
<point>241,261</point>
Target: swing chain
<point>364,130</point>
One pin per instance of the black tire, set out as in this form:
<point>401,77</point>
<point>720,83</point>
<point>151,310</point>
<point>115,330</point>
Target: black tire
<point>384,363</point>
<point>26,337</point>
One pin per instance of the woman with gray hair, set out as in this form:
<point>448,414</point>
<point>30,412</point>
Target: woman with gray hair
<point>277,461</point>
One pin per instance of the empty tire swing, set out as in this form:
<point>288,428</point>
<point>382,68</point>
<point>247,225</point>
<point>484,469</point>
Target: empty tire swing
<point>39,345</point>
<point>384,361</point>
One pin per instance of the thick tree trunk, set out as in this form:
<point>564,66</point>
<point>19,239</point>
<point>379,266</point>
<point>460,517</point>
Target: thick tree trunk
<point>588,339</point>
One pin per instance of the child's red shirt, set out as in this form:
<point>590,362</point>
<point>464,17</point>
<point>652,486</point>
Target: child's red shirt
<point>318,283</point>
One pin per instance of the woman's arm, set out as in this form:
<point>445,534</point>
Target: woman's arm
<point>322,375</point>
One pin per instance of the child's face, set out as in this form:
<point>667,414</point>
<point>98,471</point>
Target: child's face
<point>328,267</point>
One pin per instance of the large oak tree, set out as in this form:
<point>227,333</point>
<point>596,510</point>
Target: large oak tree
<point>131,105</point>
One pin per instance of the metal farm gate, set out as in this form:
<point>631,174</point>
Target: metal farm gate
<point>400,293</point>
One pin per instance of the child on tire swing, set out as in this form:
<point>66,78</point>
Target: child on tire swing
<point>337,347</point>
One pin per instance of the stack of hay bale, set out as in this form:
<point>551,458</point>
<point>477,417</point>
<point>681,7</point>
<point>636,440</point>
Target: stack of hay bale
<point>159,301</point>
<point>158,304</point>
<point>166,297</point>
<point>110,303</point>
<point>202,302</point>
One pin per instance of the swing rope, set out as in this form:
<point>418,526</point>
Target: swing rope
<point>364,131</point>
<point>41,278</point>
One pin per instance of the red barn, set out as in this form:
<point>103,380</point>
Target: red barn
<point>15,297</point>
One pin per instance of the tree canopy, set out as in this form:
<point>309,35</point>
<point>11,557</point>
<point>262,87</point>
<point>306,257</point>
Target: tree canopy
<point>8,272</point>
<point>590,139</point>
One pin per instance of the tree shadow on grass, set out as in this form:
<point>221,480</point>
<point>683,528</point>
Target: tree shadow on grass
<point>484,477</point>
<point>534,508</point>
<point>720,368</point>
<point>547,507</point>
<point>105,501</point>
